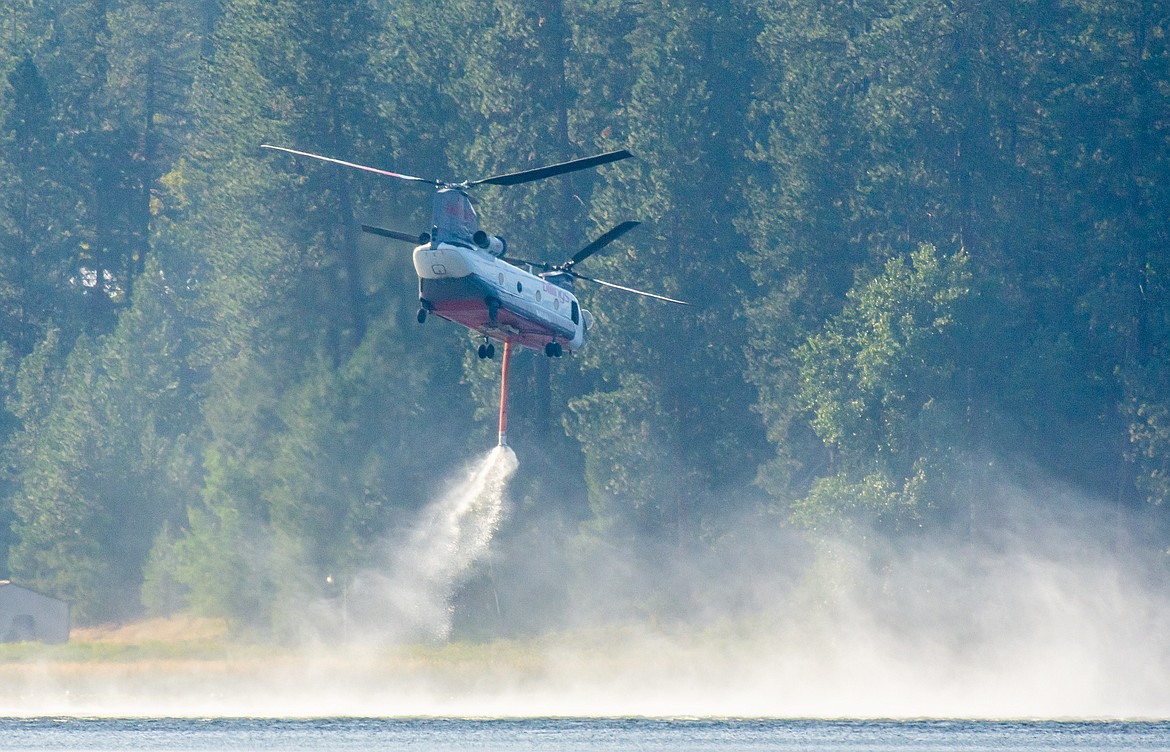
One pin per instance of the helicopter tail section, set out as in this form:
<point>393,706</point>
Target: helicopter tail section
<point>453,218</point>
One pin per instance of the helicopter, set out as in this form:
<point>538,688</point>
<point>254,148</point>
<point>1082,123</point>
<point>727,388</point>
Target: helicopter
<point>467,277</point>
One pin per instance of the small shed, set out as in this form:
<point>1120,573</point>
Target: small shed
<point>26,615</point>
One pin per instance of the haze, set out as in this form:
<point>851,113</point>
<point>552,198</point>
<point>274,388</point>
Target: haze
<point>907,452</point>
<point>1038,620</point>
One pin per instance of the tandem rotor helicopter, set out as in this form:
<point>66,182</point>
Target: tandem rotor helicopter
<point>466,276</point>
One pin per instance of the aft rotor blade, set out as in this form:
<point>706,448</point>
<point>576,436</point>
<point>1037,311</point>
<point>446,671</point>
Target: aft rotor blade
<point>627,289</point>
<point>393,234</point>
<point>540,173</point>
<point>354,165</point>
<point>602,242</point>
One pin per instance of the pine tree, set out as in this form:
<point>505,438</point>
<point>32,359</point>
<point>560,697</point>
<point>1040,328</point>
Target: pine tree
<point>683,114</point>
<point>94,457</point>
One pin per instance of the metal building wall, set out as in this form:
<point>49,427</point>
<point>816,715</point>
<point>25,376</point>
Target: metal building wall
<point>27,615</point>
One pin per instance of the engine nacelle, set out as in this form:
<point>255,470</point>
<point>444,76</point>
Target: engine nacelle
<point>493,244</point>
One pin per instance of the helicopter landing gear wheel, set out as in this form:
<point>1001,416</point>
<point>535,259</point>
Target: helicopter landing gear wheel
<point>422,316</point>
<point>487,351</point>
<point>554,350</point>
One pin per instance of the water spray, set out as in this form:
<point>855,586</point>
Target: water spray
<point>411,596</point>
<point>407,595</point>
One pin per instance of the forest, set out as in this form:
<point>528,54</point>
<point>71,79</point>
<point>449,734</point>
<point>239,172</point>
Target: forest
<point>926,243</point>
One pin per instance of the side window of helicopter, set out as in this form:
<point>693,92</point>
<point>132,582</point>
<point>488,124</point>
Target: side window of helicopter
<point>519,286</point>
<point>575,313</point>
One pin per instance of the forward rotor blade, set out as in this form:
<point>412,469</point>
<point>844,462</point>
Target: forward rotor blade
<point>393,234</point>
<point>627,289</point>
<point>540,173</point>
<point>601,242</point>
<point>355,166</point>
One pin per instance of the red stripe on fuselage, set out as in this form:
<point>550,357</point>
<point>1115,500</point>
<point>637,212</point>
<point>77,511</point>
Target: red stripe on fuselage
<point>508,327</point>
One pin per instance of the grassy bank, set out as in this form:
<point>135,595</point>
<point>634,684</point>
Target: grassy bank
<point>180,650</point>
<point>175,637</point>
<point>186,666</point>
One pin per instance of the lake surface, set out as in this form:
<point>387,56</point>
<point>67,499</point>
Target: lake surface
<point>391,735</point>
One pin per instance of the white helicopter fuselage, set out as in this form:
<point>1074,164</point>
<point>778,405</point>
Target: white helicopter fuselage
<point>471,287</point>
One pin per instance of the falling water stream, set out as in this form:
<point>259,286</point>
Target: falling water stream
<point>408,596</point>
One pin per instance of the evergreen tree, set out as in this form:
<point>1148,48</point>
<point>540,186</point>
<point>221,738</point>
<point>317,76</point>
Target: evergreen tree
<point>809,150</point>
<point>37,205</point>
<point>683,113</point>
<point>93,459</point>
<point>305,401</point>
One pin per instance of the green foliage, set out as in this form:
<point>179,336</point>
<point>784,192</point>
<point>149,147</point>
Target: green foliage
<point>680,107</point>
<point>875,501</point>
<point>37,204</point>
<point>887,358</point>
<point>1150,436</point>
<point>878,382</point>
<point>92,462</point>
<point>223,560</point>
<point>632,480</point>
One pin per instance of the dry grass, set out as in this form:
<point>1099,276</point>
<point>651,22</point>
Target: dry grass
<point>172,629</point>
<point>190,666</point>
<point>172,638</point>
<point>210,644</point>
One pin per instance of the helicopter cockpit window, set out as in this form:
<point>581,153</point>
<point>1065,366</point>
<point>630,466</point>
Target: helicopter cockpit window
<point>575,313</point>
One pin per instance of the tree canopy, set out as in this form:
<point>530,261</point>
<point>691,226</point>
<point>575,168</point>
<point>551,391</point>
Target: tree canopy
<point>916,236</point>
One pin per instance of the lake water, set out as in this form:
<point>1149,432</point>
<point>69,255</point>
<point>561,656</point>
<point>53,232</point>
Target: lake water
<point>391,735</point>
